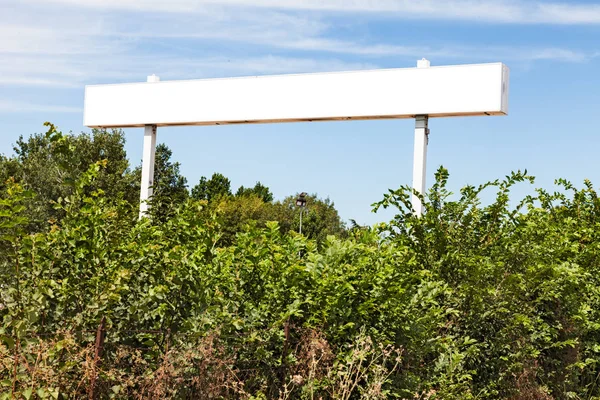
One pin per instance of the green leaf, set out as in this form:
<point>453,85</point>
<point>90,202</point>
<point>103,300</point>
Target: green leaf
<point>41,392</point>
<point>27,393</point>
<point>9,341</point>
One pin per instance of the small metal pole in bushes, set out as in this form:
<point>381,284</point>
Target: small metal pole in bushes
<point>100,335</point>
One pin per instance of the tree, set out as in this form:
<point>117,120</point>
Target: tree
<point>258,190</point>
<point>236,212</point>
<point>255,206</point>
<point>209,189</point>
<point>170,187</point>
<point>319,220</point>
<point>49,163</point>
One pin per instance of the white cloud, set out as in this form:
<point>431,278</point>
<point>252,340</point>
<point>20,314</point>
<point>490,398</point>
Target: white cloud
<point>10,106</point>
<point>75,72</point>
<point>498,11</point>
<point>259,66</point>
<point>71,44</point>
<point>559,55</point>
<point>568,13</point>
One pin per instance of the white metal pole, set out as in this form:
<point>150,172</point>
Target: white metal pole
<point>420,153</point>
<point>148,160</point>
<point>420,161</point>
<point>147,168</point>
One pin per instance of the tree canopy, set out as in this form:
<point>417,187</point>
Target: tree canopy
<point>258,190</point>
<point>210,189</point>
<point>170,186</point>
<point>49,164</point>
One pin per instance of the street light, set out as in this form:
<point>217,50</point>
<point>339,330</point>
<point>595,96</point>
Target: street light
<point>301,202</point>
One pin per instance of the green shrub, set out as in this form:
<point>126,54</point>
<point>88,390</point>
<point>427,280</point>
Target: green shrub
<point>467,301</point>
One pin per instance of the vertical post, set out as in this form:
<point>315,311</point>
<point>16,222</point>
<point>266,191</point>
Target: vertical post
<point>147,168</point>
<point>420,161</point>
<point>148,159</point>
<point>100,336</point>
<point>420,154</point>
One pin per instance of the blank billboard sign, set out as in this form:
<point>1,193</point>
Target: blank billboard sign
<point>445,91</point>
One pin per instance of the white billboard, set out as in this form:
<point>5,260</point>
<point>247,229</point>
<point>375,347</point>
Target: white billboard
<point>445,91</point>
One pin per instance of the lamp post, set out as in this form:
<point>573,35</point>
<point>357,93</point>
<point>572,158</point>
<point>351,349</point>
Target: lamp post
<point>301,202</point>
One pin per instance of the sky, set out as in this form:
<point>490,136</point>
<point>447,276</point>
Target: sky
<point>51,49</point>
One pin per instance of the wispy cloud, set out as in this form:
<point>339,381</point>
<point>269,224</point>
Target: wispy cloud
<point>69,43</point>
<point>74,72</point>
<point>255,66</point>
<point>498,11</point>
<point>560,55</point>
<point>9,106</point>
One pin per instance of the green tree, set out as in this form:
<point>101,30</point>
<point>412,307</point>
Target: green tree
<point>258,190</point>
<point>236,213</point>
<point>170,186</point>
<point>48,164</point>
<point>319,219</point>
<point>209,189</point>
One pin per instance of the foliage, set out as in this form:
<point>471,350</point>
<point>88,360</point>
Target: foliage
<point>259,190</point>
<point>216,187</point>
<point>319,220</point>
<point>170,186</point>
<point>48,164</point>
<point>235,213</point>
<point>468,301</point>
<point>255,206</point>
<point>219,187</point>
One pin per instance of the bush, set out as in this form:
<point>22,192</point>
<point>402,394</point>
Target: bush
<point>467,301</point>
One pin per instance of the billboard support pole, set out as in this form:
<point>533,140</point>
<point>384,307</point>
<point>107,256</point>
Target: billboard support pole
<point>420,153</point>
<point>148,160</point>
<point>420,161</point>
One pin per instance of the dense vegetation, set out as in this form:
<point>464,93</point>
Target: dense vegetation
<point>49,164</point>
<point>469,301</point>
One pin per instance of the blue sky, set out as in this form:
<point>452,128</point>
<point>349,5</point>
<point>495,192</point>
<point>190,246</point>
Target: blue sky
<point>50,49</point>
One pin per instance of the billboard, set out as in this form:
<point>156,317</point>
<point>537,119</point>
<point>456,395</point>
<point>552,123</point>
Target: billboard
<point>444,91</point>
